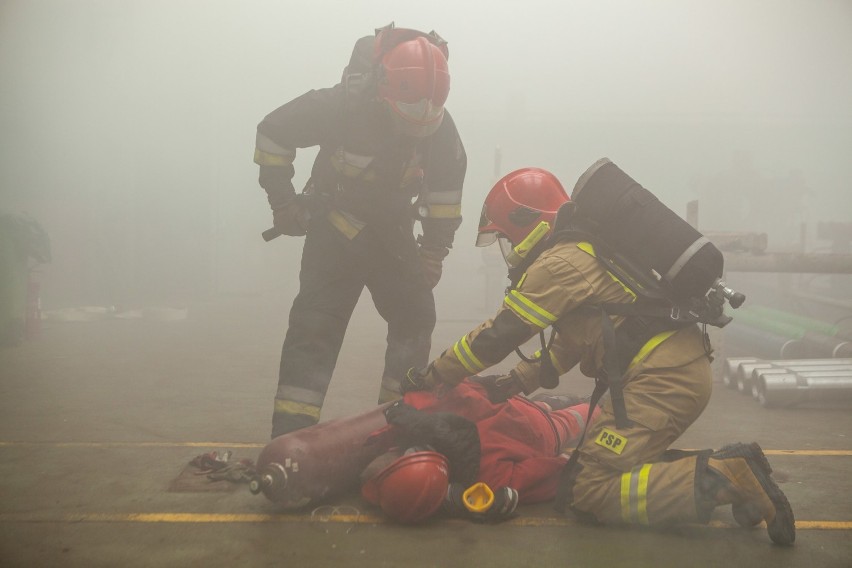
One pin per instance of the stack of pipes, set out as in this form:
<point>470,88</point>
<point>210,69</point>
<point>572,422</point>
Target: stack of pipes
<point>774,333</point>
<point>787,382</point>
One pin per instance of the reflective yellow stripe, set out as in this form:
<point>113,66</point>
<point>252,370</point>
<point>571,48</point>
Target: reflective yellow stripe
<point>466,357</point>
<point>643,494</point>
<point>342,224</point>
<point>521,281</point>
<point>520,252</point>
<point>515,302</point>
<point>444,211</point>
<point>262,158</point>
<point>649,346</point>
<point>528,310</point>
<point>625,497</point>
<point>292,407</point>
<point>634,495</point>
<point>589,249</point>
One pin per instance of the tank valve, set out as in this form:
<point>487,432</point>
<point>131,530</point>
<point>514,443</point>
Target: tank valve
<point>273,478</point>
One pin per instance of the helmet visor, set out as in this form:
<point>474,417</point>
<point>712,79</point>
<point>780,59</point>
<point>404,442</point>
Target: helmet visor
<point>486,239</point>
<point>507,248</point>
<point>418,119</point>
<point>487,231</point>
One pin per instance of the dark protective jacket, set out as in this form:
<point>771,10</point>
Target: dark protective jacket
<point>366,173</point>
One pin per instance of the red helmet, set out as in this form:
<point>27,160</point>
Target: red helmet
<point>410,489</point>
<point>518,203</point>
<point>414,78</point>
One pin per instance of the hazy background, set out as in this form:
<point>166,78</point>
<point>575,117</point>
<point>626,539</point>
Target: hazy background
<point>127,127</point>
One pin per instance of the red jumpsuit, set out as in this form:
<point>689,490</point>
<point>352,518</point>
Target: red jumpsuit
<point>521,441</point>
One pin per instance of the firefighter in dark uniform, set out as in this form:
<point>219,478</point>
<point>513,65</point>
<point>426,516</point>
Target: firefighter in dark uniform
<point>620,474</point>
<point>389,154</point>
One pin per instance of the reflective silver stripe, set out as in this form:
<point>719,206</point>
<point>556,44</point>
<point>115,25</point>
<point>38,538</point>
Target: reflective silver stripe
<point>578,187</point>
<point>684,258</point>
<point>466,357</point>
<point>265,144</point>
<point>634,494</point>
<point>528,310</point>
<point>433,197</point>
<point>297,394</point>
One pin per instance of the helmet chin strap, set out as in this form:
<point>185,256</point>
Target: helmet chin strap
<point>517,255</point>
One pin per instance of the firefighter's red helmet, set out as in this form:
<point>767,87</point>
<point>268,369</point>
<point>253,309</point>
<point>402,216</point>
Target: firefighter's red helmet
<point>412,488</point>
<point>518,203</point>
<point>414,80</point>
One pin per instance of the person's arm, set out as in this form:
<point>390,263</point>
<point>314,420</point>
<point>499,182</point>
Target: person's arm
<point>551,287</point>
<point>444,178</point>
<point>301,123</point>
<point>440,202</point>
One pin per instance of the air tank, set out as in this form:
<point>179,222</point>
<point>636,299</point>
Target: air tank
<point>309,465</point>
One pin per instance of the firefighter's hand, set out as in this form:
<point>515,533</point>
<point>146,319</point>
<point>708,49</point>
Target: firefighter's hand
<point>432,263</point>
<point>417,380</point>
<point>500,388</point>
<point>291,218</point>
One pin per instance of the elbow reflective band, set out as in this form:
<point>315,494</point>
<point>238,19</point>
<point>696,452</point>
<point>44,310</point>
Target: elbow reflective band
<point>466,357</point>
<point>527,310</point>
<point>589,249</point>
<point>634,495</point>
<point>521,251</point>
<point>268,153</point>
<point>439,211</point>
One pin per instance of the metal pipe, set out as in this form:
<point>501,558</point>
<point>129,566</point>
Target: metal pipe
<point>746,370</point>
<point>729,378</point>
<point>787,389</point>
<point>758,373</point>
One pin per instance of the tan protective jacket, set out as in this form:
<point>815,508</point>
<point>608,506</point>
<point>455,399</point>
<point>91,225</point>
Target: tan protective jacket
<point>559,289</point>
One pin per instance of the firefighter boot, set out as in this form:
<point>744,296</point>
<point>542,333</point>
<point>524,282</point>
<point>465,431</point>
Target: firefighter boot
<point>739,474</point>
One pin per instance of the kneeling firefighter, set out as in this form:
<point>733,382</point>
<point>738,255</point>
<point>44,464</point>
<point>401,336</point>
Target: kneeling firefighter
<point>657,368</point>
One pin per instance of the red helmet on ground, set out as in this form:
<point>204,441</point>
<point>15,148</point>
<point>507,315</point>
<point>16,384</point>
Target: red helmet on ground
<point>518,203</point>
<point>414,78</point>
<point>412,488</point>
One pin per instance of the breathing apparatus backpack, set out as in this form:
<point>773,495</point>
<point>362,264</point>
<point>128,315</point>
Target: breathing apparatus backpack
<point>672,271</point>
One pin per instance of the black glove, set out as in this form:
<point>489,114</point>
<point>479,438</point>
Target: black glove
<point>415,380</point>
<point>500,388</point>
<point>505,503</point>
<point>432,263</point>
<point>291,217</point>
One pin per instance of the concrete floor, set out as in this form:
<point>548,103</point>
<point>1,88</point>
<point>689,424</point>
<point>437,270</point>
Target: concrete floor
<point>98,419</point>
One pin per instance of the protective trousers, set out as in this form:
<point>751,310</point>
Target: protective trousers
<point>624,475</point>
<point>334,272</point>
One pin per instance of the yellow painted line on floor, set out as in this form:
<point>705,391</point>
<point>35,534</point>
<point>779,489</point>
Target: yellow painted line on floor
<point>135,444</point>
<point>201,518</point>
<point>9,444</point>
